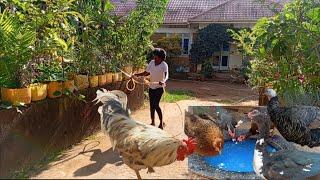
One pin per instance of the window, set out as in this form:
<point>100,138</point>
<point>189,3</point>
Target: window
<point>185,46</point>
<point>185,43</point>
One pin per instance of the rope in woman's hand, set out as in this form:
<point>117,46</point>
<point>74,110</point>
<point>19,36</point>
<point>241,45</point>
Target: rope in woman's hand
<point>133,81</point>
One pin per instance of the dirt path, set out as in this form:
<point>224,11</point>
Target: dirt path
<point>94,158</point>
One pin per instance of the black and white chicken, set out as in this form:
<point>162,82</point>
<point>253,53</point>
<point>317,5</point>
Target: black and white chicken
<point>298,124</point>
<point>283,164</point>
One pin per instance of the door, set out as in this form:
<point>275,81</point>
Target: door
<point>224,63</point>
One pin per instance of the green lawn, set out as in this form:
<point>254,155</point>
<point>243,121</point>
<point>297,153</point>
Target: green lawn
<point>172,96</point>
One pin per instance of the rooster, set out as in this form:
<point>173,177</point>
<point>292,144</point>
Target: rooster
<point>141,146</point>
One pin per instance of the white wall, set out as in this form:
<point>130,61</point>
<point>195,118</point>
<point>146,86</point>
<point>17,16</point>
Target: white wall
<point>175,30</point>
<point>235,57</point>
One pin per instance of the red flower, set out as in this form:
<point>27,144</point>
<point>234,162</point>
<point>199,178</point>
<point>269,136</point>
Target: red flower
<point>301,78</point>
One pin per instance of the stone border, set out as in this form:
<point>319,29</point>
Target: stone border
<point>51,125</point>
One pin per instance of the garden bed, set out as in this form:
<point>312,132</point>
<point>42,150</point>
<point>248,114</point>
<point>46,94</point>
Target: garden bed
<point>51,125</point>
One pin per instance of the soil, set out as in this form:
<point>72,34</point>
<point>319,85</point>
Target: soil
<point>94,157</point>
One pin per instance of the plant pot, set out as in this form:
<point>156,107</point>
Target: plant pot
<point>55,89</point>
<point>16,96</point>
<point>115,77</point>
<point>71,76</point>
<point>128,70</point>
<point>81,82</point>
<point>109,78</point>
<point>69,85</point>
<point>38,91</point>
<point>120,76</point>
<point>102,80</point>
<point>93,81</point>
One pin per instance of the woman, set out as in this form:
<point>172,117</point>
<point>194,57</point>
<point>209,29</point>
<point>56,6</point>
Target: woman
<point>158,71</point>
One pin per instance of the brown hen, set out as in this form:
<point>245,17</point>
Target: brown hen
<point>207,134</point>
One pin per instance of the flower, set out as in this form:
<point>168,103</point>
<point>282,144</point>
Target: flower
<point>301,78</point>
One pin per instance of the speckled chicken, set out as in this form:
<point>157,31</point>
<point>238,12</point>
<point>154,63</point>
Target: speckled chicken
<point>254,127</point>
<point>141,146</point>
<point>283,164</point>
<point>207,134</point>
<point>298,124</point>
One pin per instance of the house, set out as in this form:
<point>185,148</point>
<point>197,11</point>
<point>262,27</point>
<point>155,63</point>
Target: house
<point>186,17</point>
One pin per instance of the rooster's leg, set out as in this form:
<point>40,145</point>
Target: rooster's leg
<point>138,174</point>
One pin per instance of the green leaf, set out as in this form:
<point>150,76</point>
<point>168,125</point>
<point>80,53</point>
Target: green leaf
<point>57,93</point>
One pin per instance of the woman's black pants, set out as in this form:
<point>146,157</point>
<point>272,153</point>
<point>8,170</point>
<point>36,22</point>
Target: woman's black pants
<point>154,98</point>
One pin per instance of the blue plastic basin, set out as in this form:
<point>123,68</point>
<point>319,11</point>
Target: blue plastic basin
<point>235,156</point>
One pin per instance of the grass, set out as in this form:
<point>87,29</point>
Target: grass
<point>172,96</point>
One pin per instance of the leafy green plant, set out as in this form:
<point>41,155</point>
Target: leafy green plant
<point>51,71</point>
<point>285,49</point>
<point>172,45</point>
<point>207,69</point>
<point>16,48</point>
<point>131,40</point>
<point>51,21</point>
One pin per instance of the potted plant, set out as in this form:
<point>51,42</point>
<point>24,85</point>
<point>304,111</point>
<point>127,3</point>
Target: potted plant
<point>52,73</point>
<point>109,74</point>
<point>69,70</point>
<point>38,89</point>
<point>16,47</point>
<point>102,78</point>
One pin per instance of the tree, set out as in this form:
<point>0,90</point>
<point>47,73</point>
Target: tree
<point>132,39</point>
<point>172,45</point>
<point>208,41</point>
<point>286,49</point>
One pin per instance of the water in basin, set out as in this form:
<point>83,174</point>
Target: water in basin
<point>235,156</point>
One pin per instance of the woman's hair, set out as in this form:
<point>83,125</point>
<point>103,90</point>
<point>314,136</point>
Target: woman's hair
<point>161,53</point>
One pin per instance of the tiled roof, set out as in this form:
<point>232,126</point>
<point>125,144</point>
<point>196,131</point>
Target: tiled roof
<point>236,10</point>
<point>123,7</point>
<point>179,11</point>
<point>184,11</point>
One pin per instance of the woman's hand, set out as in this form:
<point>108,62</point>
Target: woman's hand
<point>161,83</point>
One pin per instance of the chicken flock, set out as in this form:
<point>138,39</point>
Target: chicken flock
<point>144,147</point>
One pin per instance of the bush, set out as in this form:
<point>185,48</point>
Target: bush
<point>285,49</point>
